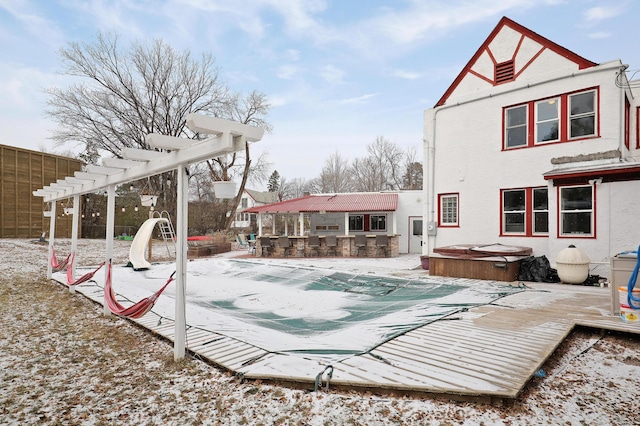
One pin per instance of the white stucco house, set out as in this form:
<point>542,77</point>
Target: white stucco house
<point>251,198</point>
<point>533,145</point>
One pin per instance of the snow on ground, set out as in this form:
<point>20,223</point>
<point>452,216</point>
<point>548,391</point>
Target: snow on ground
<point>63,362</point>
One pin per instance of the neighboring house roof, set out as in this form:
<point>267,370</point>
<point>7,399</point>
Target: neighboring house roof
<point>354,202</point>
<point>519,63</point>
<point>262,197</point>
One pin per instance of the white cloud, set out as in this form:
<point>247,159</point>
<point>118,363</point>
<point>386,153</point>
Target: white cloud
<point>595,14</point>
<point>332,74</point>
<point>287,72</point>
<point>358,100</point>
<point>599,35</point>
<point>407,75</point>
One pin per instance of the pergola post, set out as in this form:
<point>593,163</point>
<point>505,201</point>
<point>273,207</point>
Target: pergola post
<point>74,238</point>
<point>52,233</point>
<point>182,215</point>
<point>111,213</point>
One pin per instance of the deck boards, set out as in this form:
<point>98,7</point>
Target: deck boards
<point>488,351</point>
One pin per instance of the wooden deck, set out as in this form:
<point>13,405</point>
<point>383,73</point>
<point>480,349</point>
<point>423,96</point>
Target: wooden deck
<point>488,352</point>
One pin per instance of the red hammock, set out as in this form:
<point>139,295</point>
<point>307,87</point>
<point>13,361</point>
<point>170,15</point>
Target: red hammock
<point>86,277</point>
<point>56,265</point>
<point>135,311</point>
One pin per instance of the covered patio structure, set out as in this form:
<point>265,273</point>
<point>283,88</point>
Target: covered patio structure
<point>342,225</point>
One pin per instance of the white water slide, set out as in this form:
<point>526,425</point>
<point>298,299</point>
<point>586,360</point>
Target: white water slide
<point>141,241</point>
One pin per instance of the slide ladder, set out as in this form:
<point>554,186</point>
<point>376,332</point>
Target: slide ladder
<point>166,230</point>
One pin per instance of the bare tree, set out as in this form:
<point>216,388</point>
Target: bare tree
<point>128,93</point>
<point>412,178</point>
<point>251,109</point>
<point>294,188</point>
<point>381,169</point>
<point>335,176</point>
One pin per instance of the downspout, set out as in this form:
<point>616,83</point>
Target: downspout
<point>621,144</point>
<point>431,144</point>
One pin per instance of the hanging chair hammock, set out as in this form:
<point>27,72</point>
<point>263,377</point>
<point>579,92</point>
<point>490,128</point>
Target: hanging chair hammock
<point>137,310</point>
<point>86,277</point>
<point>56,265</point>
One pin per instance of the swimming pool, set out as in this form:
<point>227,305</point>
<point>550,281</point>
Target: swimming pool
<point>282,308</point>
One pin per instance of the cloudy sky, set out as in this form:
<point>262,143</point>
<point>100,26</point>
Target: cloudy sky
<point>337,73</point>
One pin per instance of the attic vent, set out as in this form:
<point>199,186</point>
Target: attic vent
<point>504,72</point>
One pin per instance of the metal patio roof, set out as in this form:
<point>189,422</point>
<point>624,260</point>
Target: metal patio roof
<point>351,202</point>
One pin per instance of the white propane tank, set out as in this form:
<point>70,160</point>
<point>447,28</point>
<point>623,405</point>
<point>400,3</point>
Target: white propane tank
<point>572,265</point>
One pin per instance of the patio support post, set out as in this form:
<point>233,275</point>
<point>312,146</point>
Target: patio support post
<point>301,220</point>
<point>74,237</point>
<point>394,223</point>
<point>111,213</point>
<point>52,232</point>
<point>182,215</point>
<point>286,224</point>
<point>259,224</point>
<point>273,223</point>
<point>346,223</point>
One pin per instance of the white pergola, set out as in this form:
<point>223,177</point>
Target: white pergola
<point>226,137</point>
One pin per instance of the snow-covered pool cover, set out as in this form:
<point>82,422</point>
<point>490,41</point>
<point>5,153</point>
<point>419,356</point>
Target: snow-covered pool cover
<point>308,310</point>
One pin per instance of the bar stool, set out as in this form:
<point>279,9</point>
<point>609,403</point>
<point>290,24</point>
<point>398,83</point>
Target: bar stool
<point>361,244</point>
<point>331,242</point>
<point>314,245</point>
<point>267,246</point>
<point>285,244</point>
<point>382,243</point>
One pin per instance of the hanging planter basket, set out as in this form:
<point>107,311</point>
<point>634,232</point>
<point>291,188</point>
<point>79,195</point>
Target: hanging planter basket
<point>47,210</point>
<point>225,189</point>
<point>148,200</point>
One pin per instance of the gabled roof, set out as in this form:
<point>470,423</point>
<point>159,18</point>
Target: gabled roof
<point>262,197</point>
<point>520,64</point>
<point>354,202</point>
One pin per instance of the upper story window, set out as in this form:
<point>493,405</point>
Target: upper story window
<point>448,205</point>
<point>576,211</point>
<point>558,119</point>
<point>582,107</point>
<point>244,203</point>
<point>516,127</point>
<point>547,120</point>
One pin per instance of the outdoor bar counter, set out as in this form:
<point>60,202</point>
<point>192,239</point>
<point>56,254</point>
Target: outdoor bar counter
<point>298,246</point>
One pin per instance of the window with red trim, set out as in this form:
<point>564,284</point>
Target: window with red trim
<point>525,212</point>
<point>577,213</point>
<point>448,210</point>
<point>555,119</point>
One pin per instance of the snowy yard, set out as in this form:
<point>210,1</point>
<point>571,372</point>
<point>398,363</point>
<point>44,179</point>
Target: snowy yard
<point>63,362</point>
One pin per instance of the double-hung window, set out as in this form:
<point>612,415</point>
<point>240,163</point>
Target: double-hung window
<point>525,212</point>
<point>561,118</point>
<point>516,127</point>
<point>356,222</point>
<point>540,211</point>
<point>513,211</point>
<point>548,120</point>
<point>378,222</point>
<point>582,114</point>
<point>448,206</point>
<point>576,211</point>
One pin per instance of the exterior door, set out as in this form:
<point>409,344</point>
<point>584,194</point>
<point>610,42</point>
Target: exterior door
<point>415,235</point>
